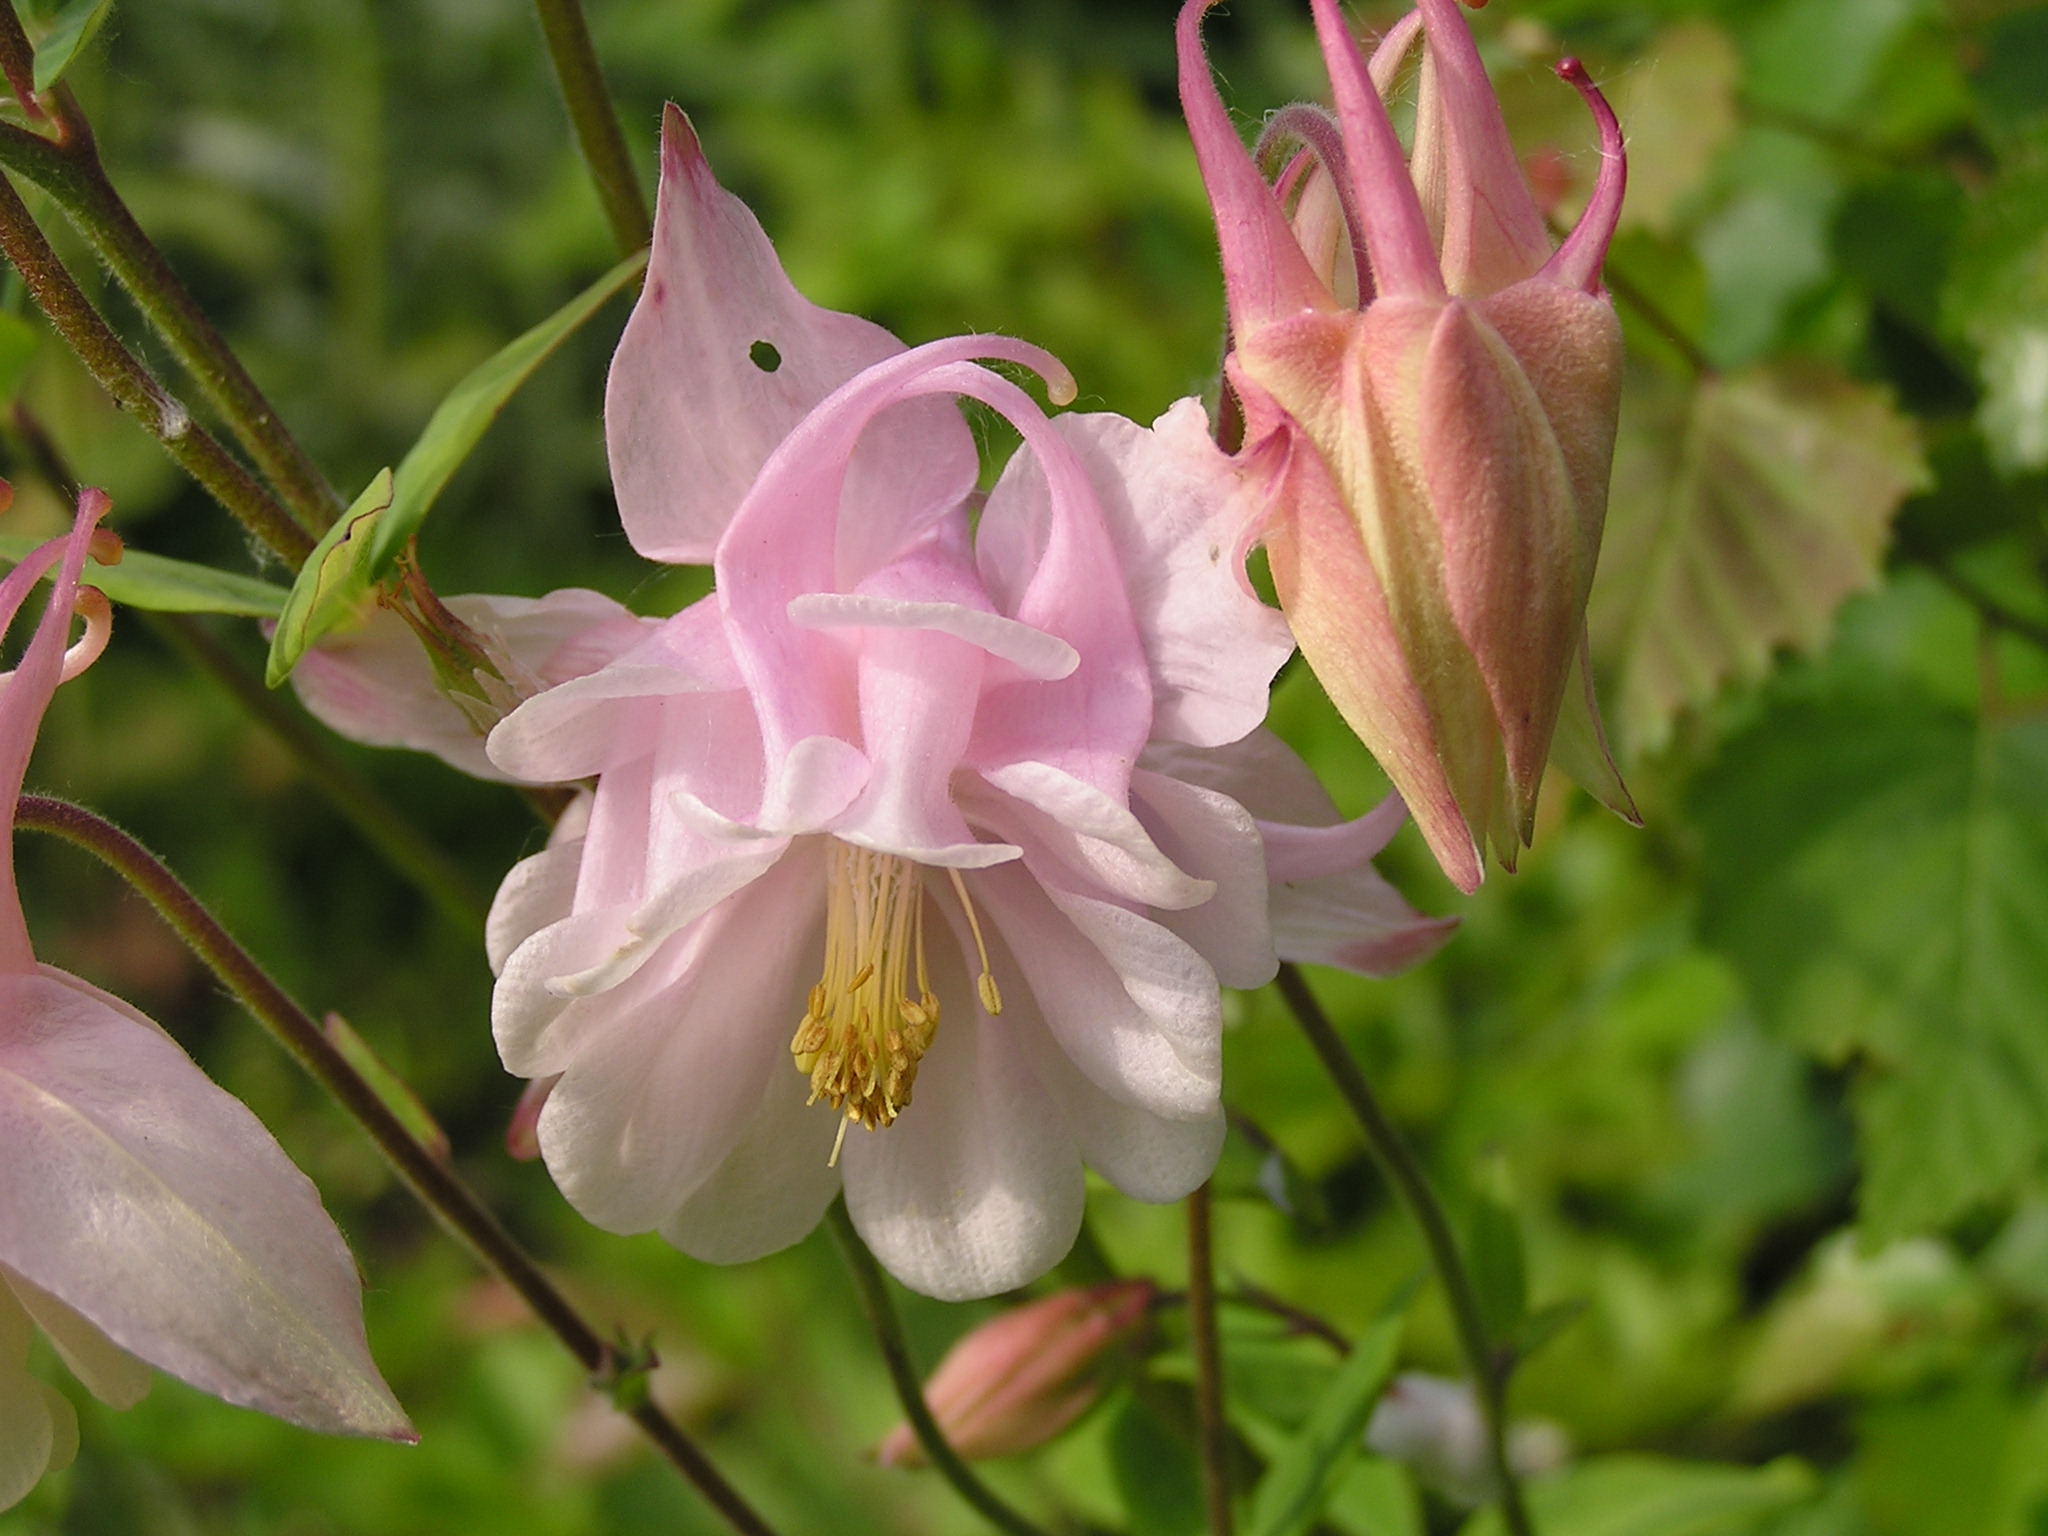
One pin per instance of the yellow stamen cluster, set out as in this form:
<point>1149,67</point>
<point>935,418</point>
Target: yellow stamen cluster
<point>873,1014</point>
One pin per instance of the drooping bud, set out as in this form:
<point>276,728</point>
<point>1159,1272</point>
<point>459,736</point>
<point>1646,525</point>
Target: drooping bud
<point>1434,432</point>
<point>1021,1378</point>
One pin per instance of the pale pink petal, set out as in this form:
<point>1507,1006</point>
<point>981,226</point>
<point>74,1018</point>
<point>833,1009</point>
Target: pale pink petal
<point>1134,1006</point>
<point>108,1371</point>
<point>1031,651</point>
<point>1095,837</point>
<point>1356,922</point>
<point>536,893</point>
<point>680,901</point>
<point>695,403</point>
<point>1213,837</point>
<point>158,1208</point>
<point>977,1187</point>
<point>1176,509</point>
<point>534,1025</point>
<point>772,1187</point>
<point>658,1089</point>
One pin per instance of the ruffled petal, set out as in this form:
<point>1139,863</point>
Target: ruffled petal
<point>536,893</point>
<point>158,1208</point>
<point>1135,1007</point>
<point>1095,837</point>
<point>722,358</point>
<point>773,1186</point>
<point>1212,836</point>
<point>662,1078</point>
<point>1176,511</point>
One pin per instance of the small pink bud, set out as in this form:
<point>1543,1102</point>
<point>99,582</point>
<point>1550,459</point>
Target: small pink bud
<point>1018,1380</point>
<point>522,1135</point>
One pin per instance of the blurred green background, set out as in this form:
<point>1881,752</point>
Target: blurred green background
<point>1765,1083</point>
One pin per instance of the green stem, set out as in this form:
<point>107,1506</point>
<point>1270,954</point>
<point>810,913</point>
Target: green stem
<point>436,1184</point>
<point>596,121</point>
<point>67,165</point>
<point>880,1307</point>
<point>135,390</point>
<point>1490,1368</point>
<point>1212,1426</point>
<point>381,823</point>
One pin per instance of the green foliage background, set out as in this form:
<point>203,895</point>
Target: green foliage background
<point>1765,1083</point>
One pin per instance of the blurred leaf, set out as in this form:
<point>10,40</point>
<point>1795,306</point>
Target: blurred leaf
<point>1969,502</point>
<point>1155,1472</point>
<point>1876,866</point>
<point>72,28</point>
<point>460,421</point>
<point>1743,512</point>
<point>1678,109</point>
<point>168,586</point>
<point>1376,1498</point>
<point>1292,1493</point>
<point>1493,1245</point>
<point>1765,248</point>
<point>18,342</point>
<point>1538,1328</point>
<point>333,583</point>
<point>1652,1496</point>
<point>394,1090</point>
<point>2012,81</point>
<point>1893,236</point>
<point>1997,299</point>
<point>1816,57</point>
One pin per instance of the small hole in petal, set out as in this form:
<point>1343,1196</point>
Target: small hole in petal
<point>764,356</point>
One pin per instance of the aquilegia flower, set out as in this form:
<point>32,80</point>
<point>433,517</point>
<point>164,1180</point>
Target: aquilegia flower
<point>912,866</point>
<point>1429,395</point>
<point>146,1217</point>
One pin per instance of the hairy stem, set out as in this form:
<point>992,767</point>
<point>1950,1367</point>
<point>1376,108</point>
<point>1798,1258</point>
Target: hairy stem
<point>135,390</point>
<point>596,121</point>
<point>436,1184</point>
<point>1212,1427</point>
<point>1490,1368</point>
<point>882,1317</point>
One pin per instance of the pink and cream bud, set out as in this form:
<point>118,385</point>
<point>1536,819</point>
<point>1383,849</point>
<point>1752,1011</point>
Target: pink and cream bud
<point>1429,393</point>
<point>1018,1380</point>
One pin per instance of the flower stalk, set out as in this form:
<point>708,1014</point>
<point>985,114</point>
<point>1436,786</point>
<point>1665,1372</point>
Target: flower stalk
<point>887,1326</point>
<point>1212,1425</point>
<point>433,1181</point>
<point>596,122</point>
<point>1490,1366</point>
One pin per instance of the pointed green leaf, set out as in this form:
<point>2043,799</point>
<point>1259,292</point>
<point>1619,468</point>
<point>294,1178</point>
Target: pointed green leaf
<point>1745,509</point>
<point>460,421</point>
<point>1876,867</point>
<point>72,29</point>
<point>1655,1496</point>
<point>1152,1461</point>
<point>169,586</point>
<point>1292,1493</point>
<point>333,583</point>
<point>1499,1276</point>
<point>1538,1328</point>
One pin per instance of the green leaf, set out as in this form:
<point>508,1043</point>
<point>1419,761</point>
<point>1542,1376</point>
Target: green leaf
<point>460,421</point>
<point>1153,1465</point>
<point>1538,1328</point>
<point>333,583</point>
<point>395,1091</point>
<point>1679,104</point>
<point>1745,509</point>
<point>1876,867</point>
<point>1997,300</point>
<point>18,343</point>
<point>1376,1497</point>
<point>1652,1496</point>
<point>69,32</point>
<point>1292,1493</point>
<point>168,586</point>
<point>1493,1249</point>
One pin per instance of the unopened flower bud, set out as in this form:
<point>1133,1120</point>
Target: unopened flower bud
<point>1021,1378</point>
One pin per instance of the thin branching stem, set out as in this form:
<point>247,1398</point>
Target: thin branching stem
<point>887,1327</point>
<point>135,389</point>
<point>437,1184</point>
<point>1212,1425</point>
<point>596,122</point>
<point>1490,1367</point>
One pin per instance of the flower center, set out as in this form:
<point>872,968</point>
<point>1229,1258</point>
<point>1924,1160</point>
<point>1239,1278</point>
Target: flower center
<point>873,1015</point>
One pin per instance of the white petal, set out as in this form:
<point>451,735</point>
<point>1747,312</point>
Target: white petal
<point>772,1187</point>
<point>1093,834</point>
<point>26,1437</point>
<point>527,1014</point>
<point>1136,1009</point>
<point>158,1207</point>
<point>1211,835</point>
<point>977,1187</point>
<point>535,893</point>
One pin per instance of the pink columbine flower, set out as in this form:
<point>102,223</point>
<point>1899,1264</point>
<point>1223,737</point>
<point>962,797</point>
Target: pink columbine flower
<point>1429,396</point>
<point>917,800</point>
<point>1023,1376</point>
<point>146,1217</point>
